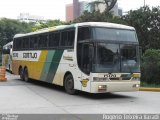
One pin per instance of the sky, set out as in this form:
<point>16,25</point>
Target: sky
<point>55,9</point>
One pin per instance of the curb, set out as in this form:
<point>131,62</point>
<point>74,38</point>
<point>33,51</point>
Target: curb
<point>149,89</point>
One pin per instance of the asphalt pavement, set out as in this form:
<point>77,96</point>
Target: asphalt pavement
<point>35,97</point>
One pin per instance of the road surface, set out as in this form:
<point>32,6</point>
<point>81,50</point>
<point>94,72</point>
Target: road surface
<point>36,97</point>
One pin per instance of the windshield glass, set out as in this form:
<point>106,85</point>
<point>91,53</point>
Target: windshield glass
<point>107,58</point>
<point>100,33</point>
<point>116,58</point>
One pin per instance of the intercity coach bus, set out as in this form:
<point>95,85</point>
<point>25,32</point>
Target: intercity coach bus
<point>94,57</point>
<point>7,56</point>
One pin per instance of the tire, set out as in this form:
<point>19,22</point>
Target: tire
<point>21,73</point>
<point>25,73</point>
<point>69,84</point>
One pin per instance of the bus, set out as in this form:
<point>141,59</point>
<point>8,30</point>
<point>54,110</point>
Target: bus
<point>7,56</point>
<point>94,57</point>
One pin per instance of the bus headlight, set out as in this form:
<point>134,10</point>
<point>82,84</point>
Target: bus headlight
<point>136,85</point>
<point>102,88</point>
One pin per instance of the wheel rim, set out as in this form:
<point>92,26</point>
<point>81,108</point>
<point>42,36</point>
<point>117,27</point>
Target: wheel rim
<point>69,84</point>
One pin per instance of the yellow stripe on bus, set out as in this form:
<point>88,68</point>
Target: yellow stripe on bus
<point>35,68</point>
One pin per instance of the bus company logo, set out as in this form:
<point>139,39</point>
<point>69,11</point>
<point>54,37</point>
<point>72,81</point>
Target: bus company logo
<point>110,75</point>
<point>84,82</point>
<point>30,55</point>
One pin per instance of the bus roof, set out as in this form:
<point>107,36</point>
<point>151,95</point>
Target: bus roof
<point>106,24</point>
<point>61,27</point>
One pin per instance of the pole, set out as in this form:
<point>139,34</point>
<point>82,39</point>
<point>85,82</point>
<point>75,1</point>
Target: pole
<point>144,3</point>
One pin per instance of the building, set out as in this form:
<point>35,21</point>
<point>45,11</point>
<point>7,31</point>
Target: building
<point>77,8</point>
<point>69,12</point>
<point>26,17</point>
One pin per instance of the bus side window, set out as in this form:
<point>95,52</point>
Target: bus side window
<point>19,43</point>
<point>34,42</point>
<point>43,41</point>
<point>71,36</point>
<point>54,39</point>
<point>83,33</point>
<point>25,43</point>
<point>64,38</point>
<point>51,39</point>
<point>57,39</point>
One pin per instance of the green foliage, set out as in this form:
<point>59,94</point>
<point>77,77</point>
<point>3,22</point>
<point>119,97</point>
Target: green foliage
<point>150,66</point>
<point>0,58</point>
<point>97,16</point>
<point>147,24</point>
<point>9,27</point>
<point>50,23</point>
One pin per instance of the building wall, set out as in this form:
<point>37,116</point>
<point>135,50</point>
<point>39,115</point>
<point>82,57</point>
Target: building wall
<point>69,12</point>
<point>26,17</point>
<point>83,6</point>
<point>77,8</point>
<point>76,12</point>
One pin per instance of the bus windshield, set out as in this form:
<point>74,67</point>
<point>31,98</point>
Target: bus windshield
<point>100,33</point>
<point>115,50</point>
<point>116,58</point>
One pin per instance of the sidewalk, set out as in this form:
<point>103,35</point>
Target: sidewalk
<point>149,89</point>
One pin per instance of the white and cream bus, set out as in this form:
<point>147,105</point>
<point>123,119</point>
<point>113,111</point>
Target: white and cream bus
<point>7,56</point>
<point>94,57</point>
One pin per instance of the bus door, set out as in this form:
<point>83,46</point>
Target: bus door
<point>84,64</point>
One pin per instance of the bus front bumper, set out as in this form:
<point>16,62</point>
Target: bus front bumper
<point>125,86</point>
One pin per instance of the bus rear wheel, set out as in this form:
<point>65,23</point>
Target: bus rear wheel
<point>21,73</point>
<point>25,73</point>
<point>69,84</point>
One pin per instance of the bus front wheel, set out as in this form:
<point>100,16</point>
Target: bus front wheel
<point>69,84</point>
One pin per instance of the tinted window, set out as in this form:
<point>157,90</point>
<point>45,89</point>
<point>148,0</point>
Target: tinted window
<point>43,41</point>
<point>18,43</point>
<point>64,38</point>
<point>71,35</point>
<point>54,39</point>
<point>25,43</point>
<point>114,34</point>
<point>67,38</point>
<point>34,42</point>
<point>83,33</point>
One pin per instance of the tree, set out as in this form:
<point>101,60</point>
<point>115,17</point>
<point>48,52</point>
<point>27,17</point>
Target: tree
<point>108,3</point>
<point>9,27</point>
<point>50,23</point>
<point>97,16</point>
<point>147,24</point>
<point>150,67</point>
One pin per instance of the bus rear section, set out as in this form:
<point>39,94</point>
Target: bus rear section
<point>7,56</point>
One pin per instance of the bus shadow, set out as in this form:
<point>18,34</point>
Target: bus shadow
<point>104,96</point>
<point>81,93</point>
